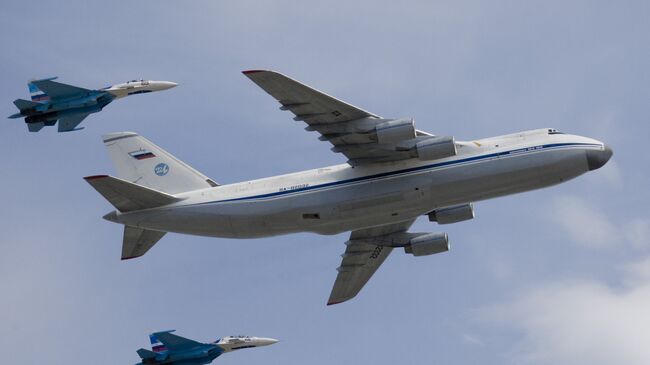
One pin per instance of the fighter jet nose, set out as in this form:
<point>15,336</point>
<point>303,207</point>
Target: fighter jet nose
<point>167,85</point>
<point>597,159</point>
<point>267,341</point>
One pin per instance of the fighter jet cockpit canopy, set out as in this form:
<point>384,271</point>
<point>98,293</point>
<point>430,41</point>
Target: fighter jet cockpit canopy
<point>141,81</point>
<point>231,339</point>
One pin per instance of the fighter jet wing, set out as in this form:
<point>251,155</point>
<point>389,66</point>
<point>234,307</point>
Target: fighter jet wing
<point>362,258</point>
<point>67,124</point>
<point>174,342</point>
<point>56,90</point>
<point>349,128</point>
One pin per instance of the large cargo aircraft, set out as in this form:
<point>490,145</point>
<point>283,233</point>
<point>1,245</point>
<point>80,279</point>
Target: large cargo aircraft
<point>395,173</point>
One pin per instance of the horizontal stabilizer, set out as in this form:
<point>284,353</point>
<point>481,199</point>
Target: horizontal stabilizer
<point>127,196</point>
<point>23,104</point>
<point>138,241</point>
<point>146,354</point>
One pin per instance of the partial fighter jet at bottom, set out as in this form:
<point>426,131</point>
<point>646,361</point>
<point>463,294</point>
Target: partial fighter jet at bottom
<point>167,348</point>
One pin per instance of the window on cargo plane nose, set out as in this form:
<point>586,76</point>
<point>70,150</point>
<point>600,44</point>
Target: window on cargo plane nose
<point>554,131</point>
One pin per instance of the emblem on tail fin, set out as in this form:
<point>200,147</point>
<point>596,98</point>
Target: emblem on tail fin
<point>161,169</point>
<point>36,93</point>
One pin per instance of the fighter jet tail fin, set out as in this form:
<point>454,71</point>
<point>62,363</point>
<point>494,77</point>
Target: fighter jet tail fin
<point>36,93</point>
<point>146,354</point>
<point>138,159</point>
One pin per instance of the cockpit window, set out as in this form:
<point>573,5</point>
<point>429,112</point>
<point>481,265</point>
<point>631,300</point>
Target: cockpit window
<point>554,131</point>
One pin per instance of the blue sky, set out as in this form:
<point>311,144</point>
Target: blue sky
<point>556,276</point>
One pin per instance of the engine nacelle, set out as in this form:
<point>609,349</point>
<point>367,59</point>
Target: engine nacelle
<point>394,131</point>
<point>453,214</point>
<point>428,244</point>
<point>435,148</point>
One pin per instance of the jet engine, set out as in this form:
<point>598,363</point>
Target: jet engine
<point>394,131</point>
<point>435,148</point>
<point>453,214</point>
<point>427,244</point>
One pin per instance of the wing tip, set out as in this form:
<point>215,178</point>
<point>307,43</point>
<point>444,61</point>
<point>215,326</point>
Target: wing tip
<point>130,257</point>
<point>337,301</point>
<point>95,177</point>
<point>248,72</point>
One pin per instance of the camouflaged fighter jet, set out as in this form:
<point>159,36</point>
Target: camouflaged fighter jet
<point>167,348</point>
<point>69,105</point>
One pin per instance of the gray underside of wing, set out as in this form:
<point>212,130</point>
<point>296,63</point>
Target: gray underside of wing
<point>56,90</point>
<point>67,124</point>
<point>362,258</point>
<point>175,342</point>
<point>349,128</point>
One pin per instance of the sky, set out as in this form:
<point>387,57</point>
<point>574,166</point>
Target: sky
<point>554,276</point>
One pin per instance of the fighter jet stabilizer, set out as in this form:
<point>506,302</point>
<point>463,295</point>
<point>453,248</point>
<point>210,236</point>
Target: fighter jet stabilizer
<point>69,105</point>
<point>167,348</point>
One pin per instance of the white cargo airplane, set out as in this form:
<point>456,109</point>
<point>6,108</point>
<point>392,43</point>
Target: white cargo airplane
<point>394,174</point>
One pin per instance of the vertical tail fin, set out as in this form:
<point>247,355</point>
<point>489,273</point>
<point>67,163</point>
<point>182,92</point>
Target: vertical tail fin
<point>140,161</point>
<point>156,345</point>
<point>36,93</point>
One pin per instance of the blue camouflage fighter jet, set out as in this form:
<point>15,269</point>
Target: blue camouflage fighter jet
<point>69,105</point>
<point>167,348</point>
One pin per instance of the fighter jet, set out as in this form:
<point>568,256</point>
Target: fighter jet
<point>53,101</point>
<point>394,174</point>
<point>167,348</point>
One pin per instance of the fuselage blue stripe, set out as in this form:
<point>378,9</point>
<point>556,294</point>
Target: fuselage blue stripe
<point>403,171</point>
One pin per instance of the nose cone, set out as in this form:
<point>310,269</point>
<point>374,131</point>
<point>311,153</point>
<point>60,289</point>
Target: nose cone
<point>266,341</point>
<point>597,159</point>
<point>164,85</point>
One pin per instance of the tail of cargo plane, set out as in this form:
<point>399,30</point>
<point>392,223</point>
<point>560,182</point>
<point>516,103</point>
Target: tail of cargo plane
<point>140,161</point>
<point>147,177</point>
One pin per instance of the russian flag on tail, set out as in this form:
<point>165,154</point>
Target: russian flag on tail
<point>36,93</point>
<point>156,345</point>
<point>141,154</point>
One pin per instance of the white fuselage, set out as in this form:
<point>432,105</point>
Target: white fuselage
<point>138,87</point>
<point>341,198</point>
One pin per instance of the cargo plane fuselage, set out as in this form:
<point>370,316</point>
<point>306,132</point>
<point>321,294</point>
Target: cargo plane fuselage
<point>341,198</point>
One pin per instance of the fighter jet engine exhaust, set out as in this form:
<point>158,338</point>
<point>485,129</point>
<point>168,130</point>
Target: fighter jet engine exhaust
<point>453,214</point>
<point>427,244</point>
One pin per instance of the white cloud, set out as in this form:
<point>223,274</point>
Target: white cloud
<point>580,322</point>
<point>587,225</point>
<point>637,232</point>
<point>584,223</point>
